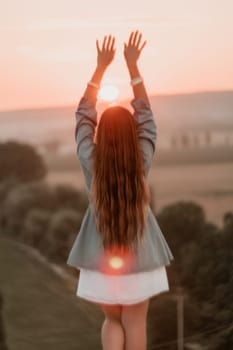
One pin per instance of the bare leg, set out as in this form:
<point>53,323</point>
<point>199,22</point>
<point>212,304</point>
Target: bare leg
<point>133,319</point>
<point>112,332</point>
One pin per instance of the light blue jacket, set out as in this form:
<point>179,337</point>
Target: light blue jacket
<point>87,250</point>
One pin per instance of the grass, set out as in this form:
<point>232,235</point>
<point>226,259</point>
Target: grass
<point>40,309</point>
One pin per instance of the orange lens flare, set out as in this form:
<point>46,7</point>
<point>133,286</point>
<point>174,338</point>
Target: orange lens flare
<point>113,261</point>
<point>116,262</point>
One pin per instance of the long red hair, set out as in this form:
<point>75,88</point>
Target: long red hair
<point>119,192</point>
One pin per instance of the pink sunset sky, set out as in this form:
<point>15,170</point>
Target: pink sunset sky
<point>48,47</point>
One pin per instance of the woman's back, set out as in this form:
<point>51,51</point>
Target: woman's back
<point>88,249</point>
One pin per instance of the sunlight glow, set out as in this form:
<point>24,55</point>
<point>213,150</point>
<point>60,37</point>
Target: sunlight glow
<point>109,93</point>
<point>116,262</point>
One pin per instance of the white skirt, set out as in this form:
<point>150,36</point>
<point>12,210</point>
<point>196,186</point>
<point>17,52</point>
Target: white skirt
<point>121,289</point>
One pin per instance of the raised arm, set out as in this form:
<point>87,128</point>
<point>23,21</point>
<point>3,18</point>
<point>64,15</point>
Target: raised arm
<point>143,115</point>
<point>86,115</point>
<point>132,52</point>
<point>105,56</point>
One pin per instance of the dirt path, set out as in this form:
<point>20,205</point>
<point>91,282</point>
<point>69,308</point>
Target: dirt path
<point>41,310</point>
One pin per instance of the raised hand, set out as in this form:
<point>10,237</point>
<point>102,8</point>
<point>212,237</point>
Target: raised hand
<point>133,49</point>
<point>132,52</point>
<point>105,55</point>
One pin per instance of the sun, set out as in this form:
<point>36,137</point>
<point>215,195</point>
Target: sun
<point>109,93</point>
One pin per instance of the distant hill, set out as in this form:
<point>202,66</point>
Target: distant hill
<point>197,111</point>
<point>207,109</point>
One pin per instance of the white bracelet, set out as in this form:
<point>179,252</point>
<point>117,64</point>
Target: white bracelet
<point>136,81</point>
<point>91,83</point>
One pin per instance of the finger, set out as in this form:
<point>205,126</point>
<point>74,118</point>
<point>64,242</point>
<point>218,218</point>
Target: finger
<point>143,45</point>
<point>104,43</point>
<point>97,45</point>
<point>135,38</point>
<point>131,38</point>
<point>109,42</point>
<point>137,43</point>
<point>112,46</point>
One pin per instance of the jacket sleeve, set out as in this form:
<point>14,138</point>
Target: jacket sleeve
<point>147,130</point>
<point>86,121</point>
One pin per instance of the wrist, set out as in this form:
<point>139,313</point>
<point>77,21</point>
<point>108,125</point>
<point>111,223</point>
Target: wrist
<point>97,75</point>
<point>131,64</point>
<point>93,84</point>
<point>101,68</point>
<point>133,71</point>
<point>136,81</point>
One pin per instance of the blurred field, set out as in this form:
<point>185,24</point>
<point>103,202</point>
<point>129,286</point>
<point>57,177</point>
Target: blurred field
<point>210,185</point>
<point>40,310</point>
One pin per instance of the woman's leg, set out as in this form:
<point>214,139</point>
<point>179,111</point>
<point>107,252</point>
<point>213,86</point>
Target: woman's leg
<point>134,318</point>
<point>112,332</point>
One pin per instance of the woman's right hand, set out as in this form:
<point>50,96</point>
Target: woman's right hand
<point>106,53</point>
<point>133,49</point>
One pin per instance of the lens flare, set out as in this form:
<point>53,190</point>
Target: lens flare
<point>116,262</point>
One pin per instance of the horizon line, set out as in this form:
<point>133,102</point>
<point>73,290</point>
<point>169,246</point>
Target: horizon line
<point>37,107</point>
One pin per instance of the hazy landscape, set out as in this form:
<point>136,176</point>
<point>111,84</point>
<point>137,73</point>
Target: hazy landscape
<point>192,112</point>
<point>199,169</point>
<point>210,185</point>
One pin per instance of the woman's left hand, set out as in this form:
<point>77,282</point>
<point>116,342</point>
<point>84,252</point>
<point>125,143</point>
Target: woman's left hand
<point>106,54</point>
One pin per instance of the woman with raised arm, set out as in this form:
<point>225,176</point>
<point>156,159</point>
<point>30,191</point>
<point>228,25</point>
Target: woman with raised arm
<point>120,250</point>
